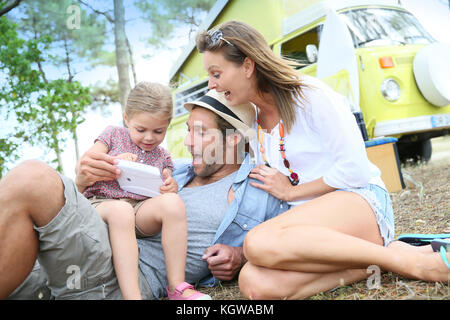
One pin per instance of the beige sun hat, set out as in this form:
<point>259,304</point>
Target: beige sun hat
<point>242,116</point>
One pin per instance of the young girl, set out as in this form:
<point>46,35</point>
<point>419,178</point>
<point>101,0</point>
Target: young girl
<point>147,115</point>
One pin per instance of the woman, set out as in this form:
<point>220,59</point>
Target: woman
<point>312,155</point>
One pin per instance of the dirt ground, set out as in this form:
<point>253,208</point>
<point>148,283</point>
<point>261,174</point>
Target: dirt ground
<point>422,207</point>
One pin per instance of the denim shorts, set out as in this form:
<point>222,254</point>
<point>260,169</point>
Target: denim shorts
<point>381,204</point>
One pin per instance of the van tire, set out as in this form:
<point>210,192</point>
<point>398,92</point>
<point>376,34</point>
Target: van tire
<point>430,67</point>
<point>418,151</point>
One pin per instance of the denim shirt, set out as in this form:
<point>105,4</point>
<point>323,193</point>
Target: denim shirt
<point>250,207</point>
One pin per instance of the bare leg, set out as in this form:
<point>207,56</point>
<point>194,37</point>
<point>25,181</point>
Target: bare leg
<point>333,233</point>
<point>119,216</point>
<point>167,214</point>
<point>259,283</point>
<point>262,283</point>
<point>400,245</point>
<point>30,194</point>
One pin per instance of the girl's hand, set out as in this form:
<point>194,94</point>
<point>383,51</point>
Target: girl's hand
<point>127,156</point>
<point>273,181</point>
<point>169,184</point>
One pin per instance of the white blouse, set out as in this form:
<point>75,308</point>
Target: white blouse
<point>324,142</point>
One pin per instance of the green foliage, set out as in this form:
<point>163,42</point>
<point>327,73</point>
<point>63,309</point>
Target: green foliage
<point>59,109</point>
<point>165,15</point>
<point>49,18</point>
<point>104,94</point>
<point>19,81</point>
<point>42,111</point>
<point>16,56</point>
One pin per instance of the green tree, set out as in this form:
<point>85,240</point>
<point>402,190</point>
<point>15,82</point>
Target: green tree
<point>19,82</point>
<point>81,41</point>
<point>7,5</point>
<point>103,95</point>
<point>77,37</point>
<point>165,16</point>
<point>59,108</point>
<point>41,110</point>
<point>123,53</point>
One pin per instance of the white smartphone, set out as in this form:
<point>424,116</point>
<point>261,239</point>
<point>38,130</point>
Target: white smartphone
<point>139,178</point>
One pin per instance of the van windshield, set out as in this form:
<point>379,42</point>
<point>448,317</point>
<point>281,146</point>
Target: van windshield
<point>372,27</point>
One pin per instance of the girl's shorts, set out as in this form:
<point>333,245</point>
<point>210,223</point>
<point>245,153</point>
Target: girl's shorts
<point>136,204</point>
<point>381,204</point>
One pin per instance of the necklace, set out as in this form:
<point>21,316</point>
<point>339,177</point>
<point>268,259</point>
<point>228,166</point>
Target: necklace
<point>293,177</point>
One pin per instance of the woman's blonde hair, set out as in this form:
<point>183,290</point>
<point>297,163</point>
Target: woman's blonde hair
<point>150,97</point>
<point>273,73</point>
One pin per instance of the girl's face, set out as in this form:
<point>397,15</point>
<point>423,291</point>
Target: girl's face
<point>146,131</point>
<point>225,76</point>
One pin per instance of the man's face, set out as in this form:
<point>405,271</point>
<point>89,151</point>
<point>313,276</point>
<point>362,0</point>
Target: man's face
<point>205,142</point>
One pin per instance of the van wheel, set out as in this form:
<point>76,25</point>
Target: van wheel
<point>419,151</point>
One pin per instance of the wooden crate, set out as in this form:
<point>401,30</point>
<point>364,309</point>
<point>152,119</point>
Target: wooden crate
<point>382,152</point>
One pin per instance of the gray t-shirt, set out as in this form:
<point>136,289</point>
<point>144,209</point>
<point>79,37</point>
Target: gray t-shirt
<point>205,209</point>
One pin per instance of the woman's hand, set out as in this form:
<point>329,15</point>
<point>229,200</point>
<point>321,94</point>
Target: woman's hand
<point>169,184</point>
<point>274,182</point>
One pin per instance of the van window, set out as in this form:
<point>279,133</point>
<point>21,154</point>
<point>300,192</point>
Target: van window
<point>190,94</point>
<point>382,27</point>
<point>296,47</point>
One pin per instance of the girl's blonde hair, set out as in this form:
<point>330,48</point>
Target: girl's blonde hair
<point>150,97</point>
<point>274,74</point>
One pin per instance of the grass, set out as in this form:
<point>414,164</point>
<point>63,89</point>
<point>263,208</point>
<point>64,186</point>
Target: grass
<point>422,207</point>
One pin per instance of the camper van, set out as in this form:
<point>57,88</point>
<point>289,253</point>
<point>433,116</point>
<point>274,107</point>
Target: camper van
<point>395,75</point>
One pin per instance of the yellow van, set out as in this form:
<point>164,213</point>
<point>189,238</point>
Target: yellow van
<point>402,84</point>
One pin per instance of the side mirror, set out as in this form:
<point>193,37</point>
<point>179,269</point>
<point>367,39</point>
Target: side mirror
<point>311,53</point>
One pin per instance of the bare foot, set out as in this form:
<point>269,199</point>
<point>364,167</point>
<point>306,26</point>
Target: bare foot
<point>433,268</point>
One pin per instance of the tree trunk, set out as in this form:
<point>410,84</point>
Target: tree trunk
<point>130,52</point>
<point>54,139</point>
<point>58,155</point>
<point>75,139</point>
<point>122,60</point>
<point>6,9</point>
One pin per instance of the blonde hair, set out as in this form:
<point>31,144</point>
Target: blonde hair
<point>274,74</point>
<point>150,97</point>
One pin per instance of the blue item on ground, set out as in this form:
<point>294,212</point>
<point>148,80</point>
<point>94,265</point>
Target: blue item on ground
<point>417,239</point>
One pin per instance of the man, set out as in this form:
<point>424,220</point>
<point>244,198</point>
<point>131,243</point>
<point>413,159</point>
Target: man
<point>43,215</point>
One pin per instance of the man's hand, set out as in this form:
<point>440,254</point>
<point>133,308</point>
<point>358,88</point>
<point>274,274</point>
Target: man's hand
<point>224,261</point>
<point>169,184</point>
<point>95,166</point>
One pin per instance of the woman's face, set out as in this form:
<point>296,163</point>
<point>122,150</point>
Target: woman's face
<point>225,76</point>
